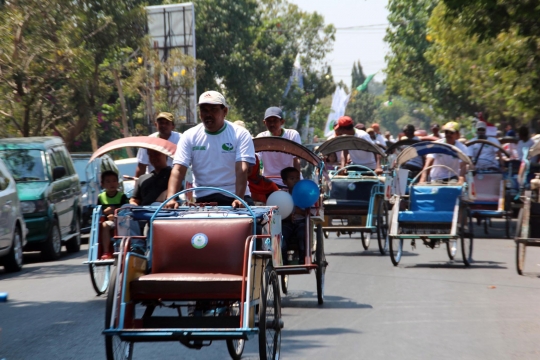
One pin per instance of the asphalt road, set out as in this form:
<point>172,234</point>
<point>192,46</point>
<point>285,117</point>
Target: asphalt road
<point>427,308</point>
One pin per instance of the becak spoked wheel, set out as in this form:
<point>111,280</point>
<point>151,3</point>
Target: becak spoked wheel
<point>100,276</point>
<point>320,261</point>
<point>115,348</point>
<point>270,322</point>
<point>521,247</point>
<point>366,239</point>
<point>235,346</point>
<point>451,248</point>
<point>466,235</point>
<point>382,227</point>
<point>284,284</point>
<point>396,249</point>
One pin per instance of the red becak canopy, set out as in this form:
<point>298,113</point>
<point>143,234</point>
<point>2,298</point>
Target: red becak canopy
<point>151,143</point>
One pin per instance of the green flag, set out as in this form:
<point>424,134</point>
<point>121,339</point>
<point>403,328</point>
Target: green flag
<point>364,86</point>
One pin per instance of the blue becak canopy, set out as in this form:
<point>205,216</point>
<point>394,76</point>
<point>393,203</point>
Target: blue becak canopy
<point>425,148</point>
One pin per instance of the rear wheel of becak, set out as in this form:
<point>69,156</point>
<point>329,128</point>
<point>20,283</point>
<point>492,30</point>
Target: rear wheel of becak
<point>382,227</point>
<point>396,249</point>
<point>466,236</point>
<point>100,276</point>
<point>320,261</point>
<point>451,248</point>
<point>366,239</point>
<point>521,248</point>
<point>270,322</point>
<point>115,348</point>
<point>235,346</point>
<point>284,284</point>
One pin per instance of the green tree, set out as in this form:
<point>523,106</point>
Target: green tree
<point>249,48</point>
<point>362,107</point>
<point>491,55</point>
<point>358,76</point>
<point>409,73</point>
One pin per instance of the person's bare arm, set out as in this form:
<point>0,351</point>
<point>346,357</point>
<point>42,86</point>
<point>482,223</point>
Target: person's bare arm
<point>344,156</point>
<point>242,169</point>
<point>462,171</point>
<point>429,162</point>
<point>134,201</point>
<point>178,174</point>
<point>141,170</point>
<point>296,164</point>
<point>378,169</point>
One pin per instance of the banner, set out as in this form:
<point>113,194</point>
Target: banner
<point>340,99</point>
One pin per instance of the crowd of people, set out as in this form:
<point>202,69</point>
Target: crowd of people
<point>221,155</point>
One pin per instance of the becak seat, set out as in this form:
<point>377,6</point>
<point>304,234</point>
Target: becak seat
<point>196,259</point>
<point>431,204</point>
<point>349,196</point>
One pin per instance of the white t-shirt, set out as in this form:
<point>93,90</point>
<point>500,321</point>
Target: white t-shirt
<point>213,156</point>
<point>142,154</point>
<point>380,139</point>
<point>487,157</point>
<point>522,145</point>
<point>359,157</point>
<point>438,173</point>
<point>274,162</point>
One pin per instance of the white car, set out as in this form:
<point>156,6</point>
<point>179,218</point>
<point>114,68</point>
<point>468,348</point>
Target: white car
<point>126,170</point>
<point>13,230</point>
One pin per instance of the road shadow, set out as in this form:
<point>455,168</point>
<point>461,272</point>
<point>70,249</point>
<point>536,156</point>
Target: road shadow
<point>35,267</point>
<point>308,299</point>
<point>457,265</point>
<point>374,253</point>
<point>298,340</point>
<point>52,330</point>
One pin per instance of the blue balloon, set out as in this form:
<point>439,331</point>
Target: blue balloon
<point>305,193</point>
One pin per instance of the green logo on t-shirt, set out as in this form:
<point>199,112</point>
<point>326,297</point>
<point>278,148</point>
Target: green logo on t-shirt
<point>227,147</point>
<point>199,148</point>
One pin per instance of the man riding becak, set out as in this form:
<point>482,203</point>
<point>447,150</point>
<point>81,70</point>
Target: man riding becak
<point>219,152</point>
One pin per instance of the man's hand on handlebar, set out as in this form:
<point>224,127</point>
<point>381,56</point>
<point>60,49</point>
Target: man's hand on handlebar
<point>172,204</point>
<point>378,171</point>
<point>237,204</point>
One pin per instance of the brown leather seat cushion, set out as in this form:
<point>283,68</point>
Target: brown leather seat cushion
<point>187,286</point>
<point>182,271</point>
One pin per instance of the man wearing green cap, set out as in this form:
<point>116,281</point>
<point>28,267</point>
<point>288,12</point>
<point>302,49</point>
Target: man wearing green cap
<point>165,126</point>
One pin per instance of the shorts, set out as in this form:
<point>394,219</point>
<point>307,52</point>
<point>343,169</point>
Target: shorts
<point>110,223</point>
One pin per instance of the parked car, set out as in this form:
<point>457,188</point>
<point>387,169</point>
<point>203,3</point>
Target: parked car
<point>127,168</point>
<point>12,227</point>
<point>90,179</point>
<point>49,192</point>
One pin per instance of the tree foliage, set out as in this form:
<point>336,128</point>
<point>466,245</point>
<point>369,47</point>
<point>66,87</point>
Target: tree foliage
<point>409,72</point>
<point>70,68</point>
<point>493,55</point>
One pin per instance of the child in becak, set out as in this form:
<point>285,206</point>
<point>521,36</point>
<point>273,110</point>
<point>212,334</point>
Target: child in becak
<point>260,186</point>
<point>293,228</point>
<point>110,200</point>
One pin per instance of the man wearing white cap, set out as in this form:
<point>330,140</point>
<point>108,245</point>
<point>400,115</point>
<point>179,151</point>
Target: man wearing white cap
<point>165,126</point>
<point>219,152</point>
<point>485,156</point>
<point>274,162</point>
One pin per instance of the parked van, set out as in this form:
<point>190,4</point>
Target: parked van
<point>49,191</point>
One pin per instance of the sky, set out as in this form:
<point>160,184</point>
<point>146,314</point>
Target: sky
<point>363,42</point>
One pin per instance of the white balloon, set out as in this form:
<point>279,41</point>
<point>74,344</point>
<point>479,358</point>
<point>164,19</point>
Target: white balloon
<point>283,200</point>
